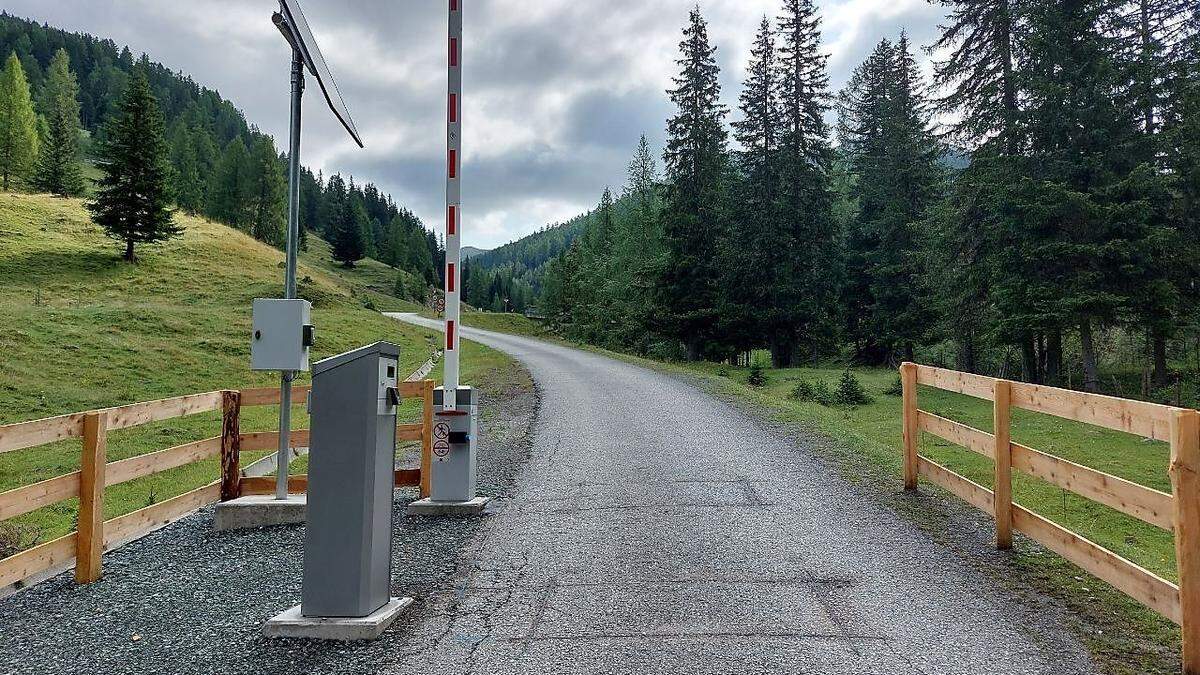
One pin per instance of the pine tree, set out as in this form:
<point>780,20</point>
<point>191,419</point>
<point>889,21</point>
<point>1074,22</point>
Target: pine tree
<point>806,282</point>
<point>187,184</point>
<point>58,161</point>
<point>18,125</point>
<point>268,194</point>
<point>349,240</point>
<point>231,188</point>
<point>133,199</point>
<point>756,247</point>
<point>694,212</point>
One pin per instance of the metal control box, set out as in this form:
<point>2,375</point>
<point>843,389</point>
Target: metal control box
<point>281,335</point>
<point>352,455</point>
<point>455,434</point>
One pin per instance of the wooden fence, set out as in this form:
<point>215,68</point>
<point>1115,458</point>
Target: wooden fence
<point>1178,512</point>
<point>94,534</point>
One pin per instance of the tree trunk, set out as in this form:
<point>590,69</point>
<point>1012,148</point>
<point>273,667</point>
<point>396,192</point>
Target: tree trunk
<point>693,349</point>
<point>966,354</point>
<point>781,354</point>
<point>1091,374</point>
<point>1054,357</point>
<point>129,257</point>
<point>1158,374</point>
<point>1029,369</point>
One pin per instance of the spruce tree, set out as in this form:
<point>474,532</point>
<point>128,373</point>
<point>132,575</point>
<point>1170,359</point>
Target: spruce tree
<point>349,240</point>
<point>58,160</point>
<point>694,212</point>
<point>806,282</point>
<point>18,125</point>
<point>187,184</point>
<point>232,187</point>
<point>133,199</point>
<point>268,194</point>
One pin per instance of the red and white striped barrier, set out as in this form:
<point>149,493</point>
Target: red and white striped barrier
<point>453,200</point>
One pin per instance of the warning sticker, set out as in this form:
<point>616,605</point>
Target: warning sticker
<point>441,448</point>
<point>441,431</point>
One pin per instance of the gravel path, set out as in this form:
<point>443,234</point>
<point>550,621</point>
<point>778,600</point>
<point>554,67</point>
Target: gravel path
<point>653,529</point>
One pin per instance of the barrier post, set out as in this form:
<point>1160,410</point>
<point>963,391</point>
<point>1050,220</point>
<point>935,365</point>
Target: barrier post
<point>1002,495</point>
<point>1185,484</point>
<point>908,382</point>
<point>89,542</point>
<point>231,445</point>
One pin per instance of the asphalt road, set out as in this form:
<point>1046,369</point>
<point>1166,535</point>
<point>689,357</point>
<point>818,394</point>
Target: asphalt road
<point>656,529</point>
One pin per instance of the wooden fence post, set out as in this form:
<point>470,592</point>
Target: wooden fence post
<point>427,440</point>
<point>908,382</point>
<point>1002,495</point>
<point>89,541</point>
<point>1185,484</point>
<point>231,445</point>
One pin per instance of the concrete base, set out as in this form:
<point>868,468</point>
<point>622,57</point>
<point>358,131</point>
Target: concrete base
<point>260,511</point>
<point>428,507</point>
<point>293,624</point>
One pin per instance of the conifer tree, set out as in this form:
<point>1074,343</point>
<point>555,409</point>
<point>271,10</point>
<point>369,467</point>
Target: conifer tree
<point>188,186</point>
<point>349,240</point>
<point>694,209</point>
<point>133,199</point>
<point>231,188</point>
<point>268,194</point>
<point>58,159</point>
<point>18,125</point>
<point>806,282</point>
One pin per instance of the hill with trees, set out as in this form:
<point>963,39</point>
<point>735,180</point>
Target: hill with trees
<point>221,166</point>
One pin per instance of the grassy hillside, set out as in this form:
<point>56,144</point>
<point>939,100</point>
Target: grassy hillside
<point>371,281</point>
<point>80,329</point>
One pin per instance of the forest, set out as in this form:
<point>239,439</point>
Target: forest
<point>1029,211</point>
<point>220,166</point>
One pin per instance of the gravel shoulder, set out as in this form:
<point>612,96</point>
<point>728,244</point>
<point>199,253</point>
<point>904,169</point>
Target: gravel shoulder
<point>186,599</point>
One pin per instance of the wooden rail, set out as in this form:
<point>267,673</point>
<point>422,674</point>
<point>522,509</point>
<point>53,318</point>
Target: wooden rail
<point>94,535</point>
<point>1178,512</point>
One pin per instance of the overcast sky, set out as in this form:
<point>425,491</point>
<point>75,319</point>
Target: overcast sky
<point>556,92</point>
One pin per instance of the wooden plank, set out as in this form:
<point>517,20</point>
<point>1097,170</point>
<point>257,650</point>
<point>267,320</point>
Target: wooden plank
<point>409,432</point>
<point>1139,501</point>
<point>154,462</point>
<point>1140,584</point>
<point>141,521</point>
<point>40,432</point>
<point>231,445</point>
<point>137,414</point>
<point>967,490</point>
<point>270,396</point>
<point>1185,482</point>
<point>1148,420</point>
<point>953,380</point>
<point>1002,451</point>
<point>411,389</point>
<point>957,433</point>
<point>427,439</point>
<point>89,545</point>
<point>265,485</point>
<point>40,558</point>
<point>908,382</point>
<point>22,500</point>
<point>269,440</point>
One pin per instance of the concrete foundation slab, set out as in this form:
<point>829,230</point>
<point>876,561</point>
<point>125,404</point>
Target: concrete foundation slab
<point>428,507</point>
<point>260,511</point>
<point>293,624</point>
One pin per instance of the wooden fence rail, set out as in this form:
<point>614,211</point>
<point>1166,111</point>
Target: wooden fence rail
<point>1178,512</point>
<point>94,535</point>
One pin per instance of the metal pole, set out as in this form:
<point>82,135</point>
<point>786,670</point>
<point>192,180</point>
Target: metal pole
<point>453,205</point>
<point>289,282</point>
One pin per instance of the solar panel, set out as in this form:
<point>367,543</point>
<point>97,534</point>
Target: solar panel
<point>316,65</point>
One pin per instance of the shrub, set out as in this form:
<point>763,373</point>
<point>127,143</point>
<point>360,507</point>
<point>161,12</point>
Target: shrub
<point>758,376</point>
<point>896,388</point>
<point>851,392</point>
<point>815,392</point>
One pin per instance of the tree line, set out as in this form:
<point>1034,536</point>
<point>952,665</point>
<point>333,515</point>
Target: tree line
<point>1039,193</point>
<point>63,95</point>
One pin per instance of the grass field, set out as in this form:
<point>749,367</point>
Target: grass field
<point>1124,636</point>
<point>82,330</point>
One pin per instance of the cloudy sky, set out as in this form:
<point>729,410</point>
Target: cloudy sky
<point>556,92</point>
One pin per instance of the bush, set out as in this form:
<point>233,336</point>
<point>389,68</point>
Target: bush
<point>814,392</point>
<point>851,392</point>
<point>758,376</point>
<point>896,388</point>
